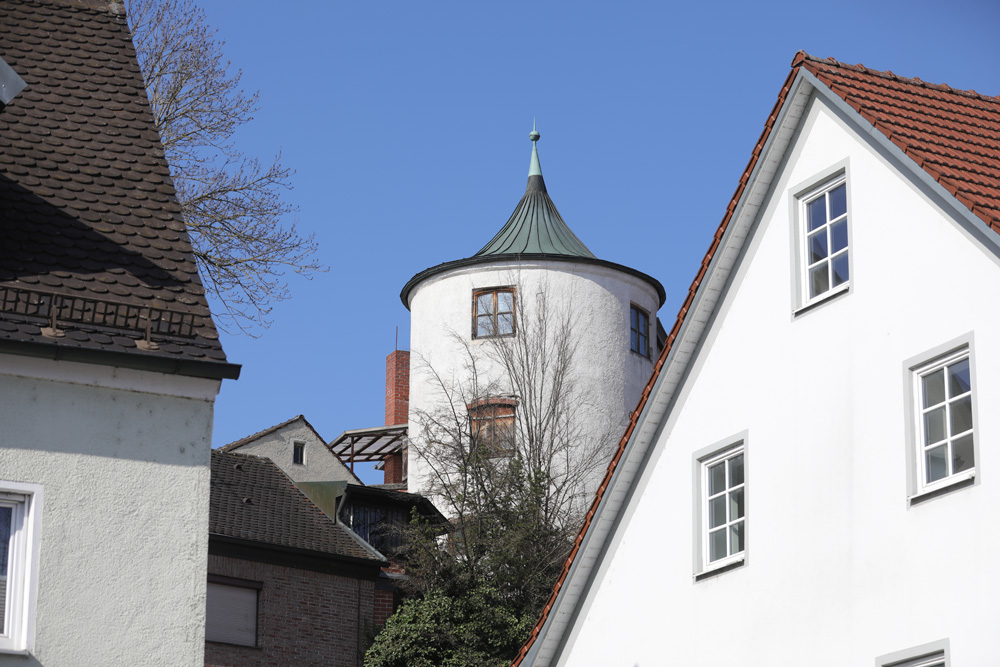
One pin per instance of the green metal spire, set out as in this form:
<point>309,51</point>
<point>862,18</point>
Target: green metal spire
<point>536,167</point>
<point>535,226</point>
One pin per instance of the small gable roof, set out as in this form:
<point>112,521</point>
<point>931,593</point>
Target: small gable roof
<point>253,501</point>
<point>951,135</point>
<point>95,260</point>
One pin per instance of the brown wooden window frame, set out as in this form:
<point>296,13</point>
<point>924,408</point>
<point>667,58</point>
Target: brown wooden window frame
<point>493,414</point>
<point>494,313</point>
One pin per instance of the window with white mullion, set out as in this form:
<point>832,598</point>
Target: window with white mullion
<point>946,426</point>
<point>724,509</point>
<point>827,259</point>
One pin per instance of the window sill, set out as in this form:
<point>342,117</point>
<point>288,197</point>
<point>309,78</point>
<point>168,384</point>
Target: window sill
<point>953,483</point>
<point>221,643</point>
<point>716,570</point>
<point>639,354</point>
<point>14,651</point>
<point>826,298</point>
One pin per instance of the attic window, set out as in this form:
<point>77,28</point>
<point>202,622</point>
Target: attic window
<point>299,453</point>
<point>826,269</point>
<point>493,312</point>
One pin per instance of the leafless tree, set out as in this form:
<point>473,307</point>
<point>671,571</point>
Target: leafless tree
<point>233,205</point>
<point>509,458</point>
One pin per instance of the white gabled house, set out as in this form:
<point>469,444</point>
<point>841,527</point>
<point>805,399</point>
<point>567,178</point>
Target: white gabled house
<point>813,473</point>
<point>109,360</point>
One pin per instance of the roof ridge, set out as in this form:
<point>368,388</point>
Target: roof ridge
<point>803,58</point>
<point>235,444</point>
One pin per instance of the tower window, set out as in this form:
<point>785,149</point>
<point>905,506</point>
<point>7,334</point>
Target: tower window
<point>640,331</point>
<point>493,312</point>
<point>491,425</point>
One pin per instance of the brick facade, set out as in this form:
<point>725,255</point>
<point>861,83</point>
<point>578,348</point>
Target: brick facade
<point>397,388</point>
<point>304,617</point>
<point>397,408</point>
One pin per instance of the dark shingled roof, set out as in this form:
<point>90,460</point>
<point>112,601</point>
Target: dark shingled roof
<point>90,228</point>
<point>253,500</point>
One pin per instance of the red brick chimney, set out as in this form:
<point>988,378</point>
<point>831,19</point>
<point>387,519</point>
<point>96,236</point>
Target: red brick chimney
<point>397,406</point>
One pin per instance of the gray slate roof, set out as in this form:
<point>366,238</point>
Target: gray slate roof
<point>90,227</point>
<point>251,499</point>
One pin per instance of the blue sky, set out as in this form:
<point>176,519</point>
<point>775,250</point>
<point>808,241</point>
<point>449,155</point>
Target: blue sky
<point>407,124</point>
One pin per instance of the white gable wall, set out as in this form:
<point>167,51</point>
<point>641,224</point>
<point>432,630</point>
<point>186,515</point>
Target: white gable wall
<point>122,459</point>
<point>839,568</point>
<point>320,464</point>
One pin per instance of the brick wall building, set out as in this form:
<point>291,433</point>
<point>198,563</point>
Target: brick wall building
<point>287,584</point>
<point>304,617</point>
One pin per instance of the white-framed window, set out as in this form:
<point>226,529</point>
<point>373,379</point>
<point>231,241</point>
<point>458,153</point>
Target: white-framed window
<point>824,244</point>
<point>639,327</point>
<point>722,516</point>
<point>231,610</point>
<point>20,526</point>
<point>942,410</point>
<point>299,453</point>
<point>934,654</point>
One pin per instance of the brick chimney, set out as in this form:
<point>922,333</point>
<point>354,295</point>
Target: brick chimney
<point>397,406</point>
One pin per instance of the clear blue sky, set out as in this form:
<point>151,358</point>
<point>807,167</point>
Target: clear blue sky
<point>407,123</point>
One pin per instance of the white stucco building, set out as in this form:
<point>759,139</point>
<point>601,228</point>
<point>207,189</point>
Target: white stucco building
<point>458,308</point>
<point>109,359</point>
<point>813,476</point>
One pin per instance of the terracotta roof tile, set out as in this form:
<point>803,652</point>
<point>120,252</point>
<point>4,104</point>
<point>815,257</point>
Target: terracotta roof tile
<point>87,206</point>
<point>954,135</point>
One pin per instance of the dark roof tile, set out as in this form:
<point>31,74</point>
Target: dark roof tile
<point>85,191</point>
<point>252,499</point>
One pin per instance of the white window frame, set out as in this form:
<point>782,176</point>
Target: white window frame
<point>801,195</point>
<point>916,369</point>
<point>703,460</point>
<point>22,558</point>
<point>296,444</point>
<point>934,654</point>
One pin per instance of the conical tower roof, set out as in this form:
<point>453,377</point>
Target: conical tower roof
<point>535,226</point>
<point>534,232</point>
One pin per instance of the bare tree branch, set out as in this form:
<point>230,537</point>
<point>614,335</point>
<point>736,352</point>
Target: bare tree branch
<point>515,505</point>
<point>233,205</point>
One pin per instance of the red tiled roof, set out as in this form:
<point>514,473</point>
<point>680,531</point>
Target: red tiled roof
<point>953,134</point>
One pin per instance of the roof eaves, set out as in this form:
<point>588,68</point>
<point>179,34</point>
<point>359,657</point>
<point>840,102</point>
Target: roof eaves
<point>538,637</point>
<point>157,363</point>
<point>408,288</point>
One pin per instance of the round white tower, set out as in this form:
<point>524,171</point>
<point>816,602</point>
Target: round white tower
<point>535,269</point>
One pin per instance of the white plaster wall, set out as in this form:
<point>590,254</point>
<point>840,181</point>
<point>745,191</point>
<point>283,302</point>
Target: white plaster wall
<point>840,569</point>
<point>122,457</point>
<point>320,463</point>
<point>610,377</point>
